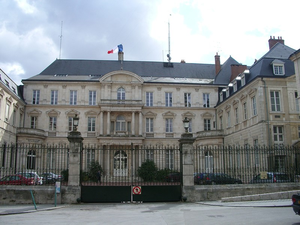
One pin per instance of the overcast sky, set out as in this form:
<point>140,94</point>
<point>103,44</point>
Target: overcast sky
<point>30,30</point>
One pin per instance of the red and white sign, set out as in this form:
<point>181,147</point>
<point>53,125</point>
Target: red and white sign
<point>137,190</point>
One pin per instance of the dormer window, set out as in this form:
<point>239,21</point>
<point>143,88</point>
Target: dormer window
<point>227,92</point>
<point>234,86</point>
<point>278,67</point>
<point>243,80</point>
<point>221,96</point>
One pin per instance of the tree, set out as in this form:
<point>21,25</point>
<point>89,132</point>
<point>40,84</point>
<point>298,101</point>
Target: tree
<point>93,170</point>
<point>147,171</point>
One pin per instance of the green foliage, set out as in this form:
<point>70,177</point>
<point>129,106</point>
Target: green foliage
<point>147,171</point>
<point>93,170</point>
<point>84,176</point>
<point>162,174</point>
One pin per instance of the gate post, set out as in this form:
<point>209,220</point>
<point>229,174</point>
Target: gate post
<point>75,141</point>
<point>187,164</point>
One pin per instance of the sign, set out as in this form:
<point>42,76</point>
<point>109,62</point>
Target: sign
<point>137,190</point>
<point>57,187</point>
<point>263,175</point>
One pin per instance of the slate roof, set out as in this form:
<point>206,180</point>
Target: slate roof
<point>92,70</point>
<point>223,77</point>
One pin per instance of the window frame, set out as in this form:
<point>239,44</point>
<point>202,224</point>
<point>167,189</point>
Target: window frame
<point>187,99</point>
<point>35,97</point>
<point>92,97</point>
<point>54,97</point>
<point>168,99</point>
<point>206,100</point>
<point>149,98</point>
<point>73,97</point>
<point>275,101</point>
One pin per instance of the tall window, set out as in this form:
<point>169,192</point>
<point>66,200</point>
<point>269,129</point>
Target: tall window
<point>278,69</point>
<point>254,109</point>
<point>169,159</point>
<point>7,109</point>
<point>275,101</point>
<point>228,119</point>
<point>297,102</point>
<point>236,112</point>
<point>209,162</point>
<point>169,125</point>
<point>149,125</point>
<point>168,98</point>
<point>51,158</point>
<point>221,122</point>
<point>245,110</point>
<point>31,159</point>
<point>36,97</point>
<point>92,97</point>
<point>70,123</point>
<point>190,126</point>
<point>206,124</point>
<point>205,100</point>
<point>149,98</point>
<point>121,124</point>
<point>187,100</point>
<point>278,134</point>
<point>33,122</point>
<point>121,94</point>
<point>149,154</point>
<point>52,123</point>
<point>91,124</point>
<point>90,156</point>
<point>54,95</point>
<point>73,97</point>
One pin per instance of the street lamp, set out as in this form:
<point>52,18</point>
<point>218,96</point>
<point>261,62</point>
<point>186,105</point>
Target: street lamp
<point>75,122</point>
<point>186,124</point>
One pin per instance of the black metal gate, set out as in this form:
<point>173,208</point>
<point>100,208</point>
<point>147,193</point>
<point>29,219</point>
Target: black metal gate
<point>130,174</point>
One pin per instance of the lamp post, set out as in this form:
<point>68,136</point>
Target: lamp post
<point>75,122</point>
<point>186,124</point>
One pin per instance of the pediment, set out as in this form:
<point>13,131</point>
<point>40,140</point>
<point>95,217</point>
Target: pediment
<point>207,115</point>
<point>35,112</point>
<point>72,112</point>
<point>122,76</point>
<point>188,115</point>
<point>91,113</point>
<point>53,112</point>
<point>169,114</point>
<point>150,114</point>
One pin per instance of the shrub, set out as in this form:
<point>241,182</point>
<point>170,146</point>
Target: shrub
<point>147,171</point>
<point>93,170</point>
<point>65,175</point>
<point>162,174</point>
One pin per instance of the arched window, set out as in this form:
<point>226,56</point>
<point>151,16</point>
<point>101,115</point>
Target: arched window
<point>120,163</point>
<point>31,159</point>
<point>121,94</point>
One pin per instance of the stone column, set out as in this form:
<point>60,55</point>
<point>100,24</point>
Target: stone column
<point>187,165</point>
<point>101,123</point>
<point>108,123</point>
<point>132,124</point>
<point>140,124</point>
<point>75,144</point>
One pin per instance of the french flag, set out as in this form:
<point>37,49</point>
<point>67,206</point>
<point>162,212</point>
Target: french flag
<point>119,48</point>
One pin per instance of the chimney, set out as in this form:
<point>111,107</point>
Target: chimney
<point>120,56</point>
<point>217,63</point>
<point>237,69</point>
<point>273,41</point>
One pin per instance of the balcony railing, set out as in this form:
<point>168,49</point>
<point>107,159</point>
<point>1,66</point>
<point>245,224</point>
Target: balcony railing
<point>210,133</point>
<point>117,102</point>
<point>31,131</point>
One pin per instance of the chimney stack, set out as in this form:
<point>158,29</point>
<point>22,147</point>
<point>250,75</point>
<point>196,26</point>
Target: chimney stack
<point>237,69</point>
<point>273,41</point>
<point>217,63</point>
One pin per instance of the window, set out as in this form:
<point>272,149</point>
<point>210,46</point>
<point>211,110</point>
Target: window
<point>73,97</point>
<point>205,100</point>
<point>92,97</point>
<point>149,154</point>
<point>221,122</point>
<point>121,94</point>
<point>236,112</point>
<point>243,80</point>
<point>54,95</point>
<point>31,159</point>
<point>254,109</point>
<point>71,127</point>
<point>121,124</point>
<point>275,101</point>
<point>33,122</point>
<point>234,86</point>
<point>36,97</point>
<point>91,124</point>
<point>228,119</point>
<point>168,96</point>
<point>14,117</point>
<point>278,69</point>
<point>52,123</point>
<point>245,110</point>
<point>149,125</point>
<point>90,156</point>
<point>170,159</point>
<point>298,131</point>
<point>7,109</point>
<point>206,124</point>
<point>187,100</point>
<point>297,101</point>
<point>51,158</point>
<point>278,134</point>
<point>190,126</point>
<point>209,162</point>
<point>221,97</point>
<point>169,125</point>
<point>149,98</point>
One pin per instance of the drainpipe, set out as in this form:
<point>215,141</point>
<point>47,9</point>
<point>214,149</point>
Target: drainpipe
<point>267,111</point>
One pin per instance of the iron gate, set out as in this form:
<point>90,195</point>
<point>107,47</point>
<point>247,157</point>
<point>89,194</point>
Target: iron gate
<point>130,173</point>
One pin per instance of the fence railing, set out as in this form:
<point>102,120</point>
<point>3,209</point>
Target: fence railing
<point>130,165</point>
<point>45,163</point>
<point>249,164</point>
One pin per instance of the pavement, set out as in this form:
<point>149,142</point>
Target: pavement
<point>20,209</point>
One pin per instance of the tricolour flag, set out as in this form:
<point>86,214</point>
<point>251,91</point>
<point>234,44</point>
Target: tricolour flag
<point>119,48</point>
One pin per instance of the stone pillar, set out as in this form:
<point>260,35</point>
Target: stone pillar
<point>101,123</point>
<point>108,123</point>
<point>187,165</point>
<point>75,144</point>
<point>132,123</point>
<point>140,124</point>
